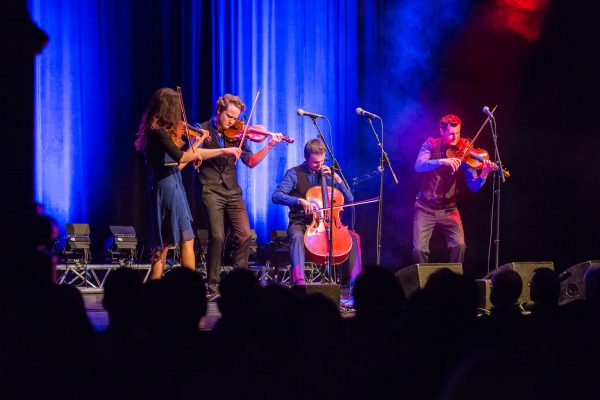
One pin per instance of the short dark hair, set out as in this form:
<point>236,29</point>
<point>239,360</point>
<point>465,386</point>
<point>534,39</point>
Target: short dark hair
<point>313,146</point>
<point>449,119</point>
<point>224,101</point>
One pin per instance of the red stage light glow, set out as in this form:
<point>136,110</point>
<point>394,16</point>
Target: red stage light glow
<point>523,17</point>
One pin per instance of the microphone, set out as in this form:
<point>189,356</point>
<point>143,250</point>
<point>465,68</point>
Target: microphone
<point>486,111</point>
<point>368,175</point>
<point>303,113</point>
<point>364,113</point>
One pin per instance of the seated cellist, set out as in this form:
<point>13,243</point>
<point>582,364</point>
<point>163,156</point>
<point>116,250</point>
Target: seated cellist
<point>291,192</point>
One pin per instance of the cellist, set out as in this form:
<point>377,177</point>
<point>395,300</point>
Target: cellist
<point>291,192</point>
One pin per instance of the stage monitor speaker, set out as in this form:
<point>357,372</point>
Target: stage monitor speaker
<point>414,277</point>
<point>484,286</point>
<point>329,290</point>
<point>525,271</point>
<point>572,286</point>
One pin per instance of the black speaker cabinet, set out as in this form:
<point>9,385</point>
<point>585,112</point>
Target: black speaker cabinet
<point>414,277</point>
<point>525,271</point>
<point>571,282</point>
<point>329,290</point>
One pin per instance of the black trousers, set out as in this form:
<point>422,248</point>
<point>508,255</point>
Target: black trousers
<point>222,203</point>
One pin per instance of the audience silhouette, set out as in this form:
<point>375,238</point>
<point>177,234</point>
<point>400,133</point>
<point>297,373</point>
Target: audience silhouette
<point>272,343</point>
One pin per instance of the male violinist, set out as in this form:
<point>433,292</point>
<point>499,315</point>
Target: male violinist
<point>435,205</point>
<point>221,193</point>
<point>292,191</point>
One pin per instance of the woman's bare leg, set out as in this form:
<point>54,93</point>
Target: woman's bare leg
<point>188,258</point>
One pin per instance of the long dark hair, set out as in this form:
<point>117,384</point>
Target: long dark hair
<point>164,112</point>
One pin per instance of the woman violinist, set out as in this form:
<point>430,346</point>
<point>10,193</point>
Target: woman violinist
<point>160,139</point>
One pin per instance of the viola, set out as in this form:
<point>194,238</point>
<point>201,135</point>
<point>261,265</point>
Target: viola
<point>470,155</point>
<point>316,237</point>
<point>256,133</point>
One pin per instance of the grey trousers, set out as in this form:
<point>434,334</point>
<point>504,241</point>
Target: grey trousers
<point>425,220</point>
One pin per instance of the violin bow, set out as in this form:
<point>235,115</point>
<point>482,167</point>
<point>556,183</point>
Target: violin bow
<point>468,150</point>
<point>185,123</point>
<point>247,126</point>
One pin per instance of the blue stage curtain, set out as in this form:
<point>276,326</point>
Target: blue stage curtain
<point>74,102</point>
<point>105,59</point>
<point>300,55</point>
<point>103,62</point>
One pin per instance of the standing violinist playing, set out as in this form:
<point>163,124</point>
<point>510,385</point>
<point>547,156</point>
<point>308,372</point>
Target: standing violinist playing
<point>221,193</point>
<point>160,139</point>
<point>291,192</point>
<point>435,205</point>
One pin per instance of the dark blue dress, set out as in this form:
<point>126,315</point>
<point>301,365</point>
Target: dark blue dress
<point>170,216</point>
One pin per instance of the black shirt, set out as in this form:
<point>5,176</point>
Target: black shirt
<point>221,170</point>
<point>160,149</point>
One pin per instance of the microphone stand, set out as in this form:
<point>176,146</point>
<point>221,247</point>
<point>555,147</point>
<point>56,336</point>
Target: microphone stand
<point>501,179</point>
<point>382,163</point>
<point>334,166</point>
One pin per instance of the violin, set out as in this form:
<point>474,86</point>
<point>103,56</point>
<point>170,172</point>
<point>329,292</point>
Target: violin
<point>473,157</point>
<point>256,133</point>
<point>316,237</point>
<point>197,133</point>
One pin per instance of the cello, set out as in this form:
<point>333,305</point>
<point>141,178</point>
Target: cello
<point>316,237</point>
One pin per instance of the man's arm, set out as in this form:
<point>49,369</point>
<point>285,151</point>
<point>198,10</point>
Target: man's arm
<point>341,186</point>
<point>338,184</point>
<point>254,159</point>
<point>424,162</point>
<point>281,194</point>
<point>475,182</point>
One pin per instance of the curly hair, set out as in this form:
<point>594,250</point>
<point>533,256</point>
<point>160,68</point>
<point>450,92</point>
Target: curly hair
<point>164,112</point>
<point>224,101</point>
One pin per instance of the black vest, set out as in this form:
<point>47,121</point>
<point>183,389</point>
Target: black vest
<point>217,170</point>
<point>438,187</point>
<point>296,213</point>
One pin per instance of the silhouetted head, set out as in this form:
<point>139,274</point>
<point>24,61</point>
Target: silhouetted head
<point>236,290</point>
<point>44,231</point>
<point>506,288</point>
<point>123,293</point>
<point>544,287</point>
<point>183,297</point>
<point>460,291</point>
<point>377,292</point>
